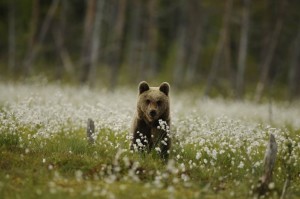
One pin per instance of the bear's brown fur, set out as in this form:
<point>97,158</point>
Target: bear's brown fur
<point>153,109</point>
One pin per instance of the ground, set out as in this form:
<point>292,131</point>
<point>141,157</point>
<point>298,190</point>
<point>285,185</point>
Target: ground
<point>217,152</point>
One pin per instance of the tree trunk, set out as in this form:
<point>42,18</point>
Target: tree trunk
<point>196,28</point>
<point>117,39</point>
<point>220,47</point>
<point>44,29</point>
<point>180,56</point>
<point>227,64</point>
<point>95,46</point>
<point>34,24</point>
<point>63,53</point>
<point>87,40</point>
<point>152,38</point>
<point>295,67</point>
<point>263,80</point>
<point>59,39</point>
<point>32,40</point>
<point>269,164</point>
<point>90,131</point>
<point>12,37</point>
<point>180,46</point>
<point>241,65</point>
<point>135,47</point>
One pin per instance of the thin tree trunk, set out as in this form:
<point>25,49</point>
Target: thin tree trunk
<point>87,40</point>
<point>267,62</point>
<point>135,43</point>
<point>59,39</point>
<point>152,38</point>
<point>142,67</point>
<point>96,38</point>
<point>44,29</point>
<point>90,131</point>
<point>33,26</point>
<point>227,62</point>
<point>180,55</point>
<point>194,57</point>
<point>196,29</point>
<point>269,163</point>
<point>12,37</point>
<point>295,67</point>
<point>180,46</point>
<point>63,53</point>
<point>241,65</point>
<point>118,33</point>
<point>220,48</point>
<point>263,80</point>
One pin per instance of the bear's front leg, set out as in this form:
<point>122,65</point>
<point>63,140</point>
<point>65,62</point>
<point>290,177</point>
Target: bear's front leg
<point>141,137</point>
<point>162,140</point>
<point>165,145</point>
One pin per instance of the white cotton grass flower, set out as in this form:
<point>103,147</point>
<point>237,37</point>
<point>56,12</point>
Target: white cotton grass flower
<point>171,167</point>
<point>50,167</point>
<point>139,143</point>
<point>241,165</point>
<point>271,185</point>
<point>163,126</point>
<point>198,155</point>
<point>157,149</point>
<point>78,175</point>
<point>27,151</point>
<point>214,154</point>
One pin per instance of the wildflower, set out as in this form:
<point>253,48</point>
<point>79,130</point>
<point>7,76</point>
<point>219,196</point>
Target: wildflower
<point>214,154</point>
<point>164,143</point>
<point>157,149</point>
<point>271,185</point>
<point>198,155</point>
<point>139,143</point>
<point>241,165</point>
<point>78,175</point>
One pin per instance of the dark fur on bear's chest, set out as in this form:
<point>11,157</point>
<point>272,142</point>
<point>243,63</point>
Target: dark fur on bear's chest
<point>147,136</point>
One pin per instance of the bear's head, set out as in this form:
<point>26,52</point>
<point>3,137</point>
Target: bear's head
<point>153,102</point>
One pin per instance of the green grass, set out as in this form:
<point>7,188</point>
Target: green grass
<point>65,165</point>
<point>24,174</point>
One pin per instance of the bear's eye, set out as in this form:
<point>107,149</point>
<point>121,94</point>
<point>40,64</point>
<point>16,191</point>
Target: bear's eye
<point>147,101</point>
<point>159,102</point>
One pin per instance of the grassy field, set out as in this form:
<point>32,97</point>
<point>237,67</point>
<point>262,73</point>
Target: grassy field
<point>217,151</point>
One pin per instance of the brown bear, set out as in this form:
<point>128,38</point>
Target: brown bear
<point>150,128</point>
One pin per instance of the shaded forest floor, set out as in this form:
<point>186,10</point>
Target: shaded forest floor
<point>217,152</point>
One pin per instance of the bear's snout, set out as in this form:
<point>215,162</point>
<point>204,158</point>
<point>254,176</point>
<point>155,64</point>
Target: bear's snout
<point>152,113</point>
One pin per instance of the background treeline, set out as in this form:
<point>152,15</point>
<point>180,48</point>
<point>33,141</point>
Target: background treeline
<point>230,47</point>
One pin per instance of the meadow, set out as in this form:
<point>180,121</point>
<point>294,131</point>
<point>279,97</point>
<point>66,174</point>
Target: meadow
<point>217,150</point>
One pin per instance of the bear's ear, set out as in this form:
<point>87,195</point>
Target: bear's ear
<point>143,86</point>
<point>165,87</point>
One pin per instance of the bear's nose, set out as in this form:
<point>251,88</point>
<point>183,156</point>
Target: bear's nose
<point>152,113</point>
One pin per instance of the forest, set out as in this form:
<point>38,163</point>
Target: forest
<point>231,48</point>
